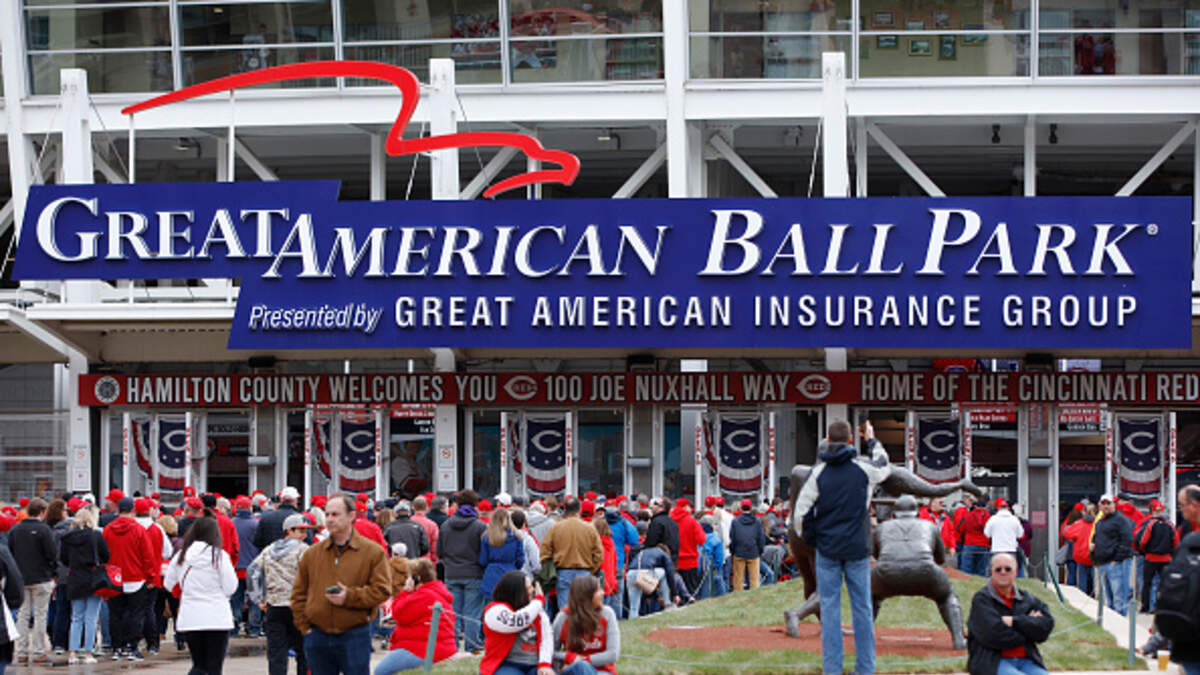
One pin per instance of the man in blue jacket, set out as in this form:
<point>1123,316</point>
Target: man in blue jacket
<point>625,539</point>
<point>247,525</point>
<point>832,516</point>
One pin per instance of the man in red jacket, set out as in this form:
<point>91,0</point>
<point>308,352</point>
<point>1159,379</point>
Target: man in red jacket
<point>691,538</point>
<point>976,545</point>
<point>229,536</point>
<point>935,513</point>
<point>129,549</point>
<point>368,529</point>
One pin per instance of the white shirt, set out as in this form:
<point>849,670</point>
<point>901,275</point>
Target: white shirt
<point>204,604</point>
<point>1004,529</point>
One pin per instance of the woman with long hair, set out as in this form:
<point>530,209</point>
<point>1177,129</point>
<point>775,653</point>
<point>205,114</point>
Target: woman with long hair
<point>205,575</point>
<point>609,567</point>
<point>586,636</point>
<point>516,632</point>
<point>83,549</point>
<point>500,551</point>
<point>412,610</point>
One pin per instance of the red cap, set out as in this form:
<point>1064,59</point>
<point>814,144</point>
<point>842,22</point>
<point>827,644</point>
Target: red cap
<point>189,491</point>
<point>23,502</point>
<point>484,505</point>
<point>193,502</point>
<point>1079,507</point>
<point>7,523</point>
<point>429,497</point>
<point>620,498</point>
<point>114,495</point>
<point>320,501</point>
<point>361,497</point>
<point>1001,504</point>
<point>682,502</point>
<point>710,501</point>
<point>589,495</point>
<point>747,504</point>
<point>155,496</point>
<point>242,502</point>
<point>141,505</point>
<point>74,504</point>
<point>720,500</point>
<point>1156,505</point>
<point>360,507</point>
<point>312,520</point>
<point>587,508</point>
<point>9,511</point>
<point>257,492</point>
<point>217,495</point>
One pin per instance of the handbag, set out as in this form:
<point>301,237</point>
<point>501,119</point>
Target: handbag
<point>1063,555</point>
<point>106,579</point>
<point>645,579</point>
<point>177,589</point>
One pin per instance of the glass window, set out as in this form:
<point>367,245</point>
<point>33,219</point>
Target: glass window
<point>586,60</point>
<point>782,15</point>
<point>1098,53</point>
<point>256,23</point>
<point>228,453</point>
<point>1119,14</point>
<point>410,443</point>
<point>883,15</point>
<point>678,476</point>
<point>581,17</point>
<point>764,56</point>
<point>485,457</point>
<point>961,55</point>
<point>107,72</point>
<point>32,461</point>
<point>390,20</point>
<point>202,65</point>
<point>601,451</point>
<point>475,62</point>
<point>91,28</point>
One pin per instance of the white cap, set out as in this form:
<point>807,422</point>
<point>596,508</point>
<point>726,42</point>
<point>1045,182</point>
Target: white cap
<point>504,499</point>
<point>289,494</point>
<point>89,498</point>
<point>1107,497</point>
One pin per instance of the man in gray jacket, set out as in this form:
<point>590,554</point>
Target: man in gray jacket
<point>407,531</point>
<point>270,578</point>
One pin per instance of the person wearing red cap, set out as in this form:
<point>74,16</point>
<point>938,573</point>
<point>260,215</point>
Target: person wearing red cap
<point>587,509</point>
<point>367,528</point>
<point>747,540</point>
<point>129,549</point>
<point>23,502</point>
<point>935,512</point>
<point>110,507</point>
<point>1112,552</point>
<point>485,510</point>
<point>1156,539</point>
<point>691,538</point>
<point>246,524</point>
<point>161,549</point>
<point>1005,530</point>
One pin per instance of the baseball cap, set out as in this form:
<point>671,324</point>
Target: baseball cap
<point>1079,507</point>
<point>289,494</point>
<point>124,505</point>
<point>747,505</point>
<point>1106,497</point>
<point>361,497</point>
<point>590,494</point>
<point>1001,504</point>
<point>710,501</point>
<point>320,501</point>
<point>682,502</point>
<point>720,500</point>
<point>1156,505</point>
<point>242,502</point>
<point>189,491</point>
<point>295,520</point>
<point>23,502</point>
<point>193,503</point>
<point>141,505</point>
<point>504,499</point>
<point>75,503</point>
<point>360,507</point>
<point>114,495</point>
<point>484,505</point>
<point>403,506</point>
<point>587,508</point>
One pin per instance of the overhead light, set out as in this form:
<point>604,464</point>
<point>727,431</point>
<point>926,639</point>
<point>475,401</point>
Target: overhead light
<point>183,144</point>
<point>218,10</point>
<point>995,134</point>
<point>604,136</point>
<point>1053,134</point>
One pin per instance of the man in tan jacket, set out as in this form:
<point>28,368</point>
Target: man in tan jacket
<point>575,548</point>
<point>339,587</point>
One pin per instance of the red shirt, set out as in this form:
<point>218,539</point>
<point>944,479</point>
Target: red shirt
<point>371,531</point>
<point>1015,652</point>
<point>949,540</point>
<point>972,528</point>
<point>229,537</point>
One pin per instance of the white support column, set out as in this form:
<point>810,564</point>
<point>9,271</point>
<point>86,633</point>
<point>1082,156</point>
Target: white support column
<point>642,173</point>
<point>533,191</point>
<point>445,430</point>
<point>230,167</point>
<point>836,360</point>
<point>771,476</point>
<point>910,441</point>
<point>657,451</point>
<point>1172,452</point>
<point>188,436</point>
<point>836,168</point>
<point>1030,170</point>
<point>1023,471</point>
<point>105,451</point>
<point>308,451</point>
<point>860,157</point>
<point>224,175</point>
<point>505,441</point>
<point>910,167</point>
<point>1106,416</point>
<point>722,147</point>
<point>968,443</point>
<point>572,458</point>
<point>280,451</point>
<point>20,148</point>
<point>126,449</point>
<point>675,69</point>
<point>378,168</point>
<point>382,417</point>
<point>443,119</point>
<point>1156,161</point>
<point>697,166</point>
<point>692,417</point>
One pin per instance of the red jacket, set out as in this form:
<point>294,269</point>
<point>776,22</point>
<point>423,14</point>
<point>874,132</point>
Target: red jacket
<point>155,537</point>
<point>229,537</point>
<point>691,538</point>
<point>413,612</point>
<point>949,536</point>
<point>371,531</point>
<point>498,640</point>
<point>972,528</point>
<point>1080,532</point>
<point>129,548</point>
<point>609,566</point>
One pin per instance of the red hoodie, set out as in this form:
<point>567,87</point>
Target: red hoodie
<point>949,539</point>
<point>972,528</point>
<point>1080,532</point>
<point>371,531</point>
<point>229,536</point>
<point>609,566</point>
<point>129,548</point>
<point>691,538</point>
<point>413,612</point>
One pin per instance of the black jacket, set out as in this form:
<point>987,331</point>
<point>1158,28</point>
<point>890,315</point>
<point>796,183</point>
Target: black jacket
<point>987,636</point>
<point>746,536</point>
<point>14,588</point>
<point>403,529</point>
<point>32,545</point>
<point>1155,536</point>
<point>1113,537</point>
<point>663,530</point>
<point>437,516</point>
<point>270,526</point>
<point>832,504</point>
<point>458,544</point>
<point>82,550</point>
<point>1187,650</point>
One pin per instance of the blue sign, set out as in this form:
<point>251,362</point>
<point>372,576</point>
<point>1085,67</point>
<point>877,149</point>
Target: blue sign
<point>1046,272</point>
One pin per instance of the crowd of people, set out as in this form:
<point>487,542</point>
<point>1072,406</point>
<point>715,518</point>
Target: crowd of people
<point>531,585</point>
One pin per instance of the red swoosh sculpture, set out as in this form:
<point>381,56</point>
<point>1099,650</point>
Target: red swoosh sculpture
<point>410,94</point>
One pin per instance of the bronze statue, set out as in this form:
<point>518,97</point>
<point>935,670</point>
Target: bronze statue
<point>900,481</point>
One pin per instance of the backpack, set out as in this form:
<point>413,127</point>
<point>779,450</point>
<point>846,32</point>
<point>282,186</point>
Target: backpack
<point>1177,615</point>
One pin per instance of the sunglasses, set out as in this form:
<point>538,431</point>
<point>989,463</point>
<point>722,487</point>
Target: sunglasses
<point>1002,569</point>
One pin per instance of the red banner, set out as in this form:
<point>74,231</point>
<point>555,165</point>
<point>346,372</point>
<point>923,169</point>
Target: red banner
<point>414,392</point>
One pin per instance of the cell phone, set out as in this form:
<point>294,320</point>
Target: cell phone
<point>333,590</point>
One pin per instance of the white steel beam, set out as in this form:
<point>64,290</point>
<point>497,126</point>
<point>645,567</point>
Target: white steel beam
<point>20,148</point>
<point>6,214</point>
<point>1030,168</point>
<point>835,172</point>
<point>723,148</point>
<point>110,174</point>
<point>443,119</point>
<point>252,160</point>
<point>17,318</point>
<point>378,176</point>
<point>489,171</point>
<point>860,158</point>
<point>534,190</point>
<point>1156,161</point>
<point>675,67</point>
<point>224,174</point>
<point>910,167</point>
<point>642,174</point>
<point>1195,214</point>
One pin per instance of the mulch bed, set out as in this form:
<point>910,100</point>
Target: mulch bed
<point>888,640</point>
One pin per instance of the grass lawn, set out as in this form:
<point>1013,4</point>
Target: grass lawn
<point>1078,643</point>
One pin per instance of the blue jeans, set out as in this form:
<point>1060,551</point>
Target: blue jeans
<point>396,661</point>
<point>616,600</point>
<point>1019,667</point>
<point>468,604</point>
<point>975,559</point>
<point>237,602</point>
<point>507,668</point>
<point>347,653</point>
<point>563,587</point>
<point>857,574</point>
<point>579,668</point>
<point>62,617</point>
<point>1189,667</point>
<point>84,612</point>
<point>1086,577</point>
<point>1072,568</point>
<point>1116,585</point>
<point>105,637</point>
<point>765,573</point>
<point>635,591</point>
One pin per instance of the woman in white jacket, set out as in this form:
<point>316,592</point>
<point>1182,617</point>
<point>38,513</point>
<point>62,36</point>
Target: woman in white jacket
<point>206,576</point>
